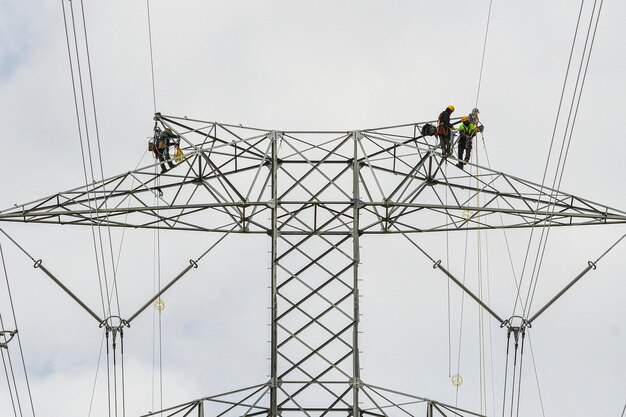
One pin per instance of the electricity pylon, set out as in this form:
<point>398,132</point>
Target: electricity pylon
<point>315,194</point>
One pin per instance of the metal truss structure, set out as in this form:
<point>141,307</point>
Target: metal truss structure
<point>314,194</point>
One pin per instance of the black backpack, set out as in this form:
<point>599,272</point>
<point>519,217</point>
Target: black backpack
<point>428,130</point>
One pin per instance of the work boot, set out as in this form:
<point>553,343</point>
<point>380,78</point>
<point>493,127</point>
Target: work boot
<point>460,165</point>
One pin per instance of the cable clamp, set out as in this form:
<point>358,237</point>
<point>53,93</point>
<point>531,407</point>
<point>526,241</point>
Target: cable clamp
<point>194,263</point>
<point>436,264</point>
<point>37,263</point>
<point>592,265</point>
<point>114,323</point>
<point>4,333</point>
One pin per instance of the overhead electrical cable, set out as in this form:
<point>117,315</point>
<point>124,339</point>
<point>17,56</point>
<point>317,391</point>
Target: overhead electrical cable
<point>17,335</point>
<point>493,392</point>
<point>448,287</point>
<point>99,149</point>
<point>560,167</point>
<point>591,265</point>
<point>545,171</point>
<point>9,371</point>
<point>482,60</point>
<point>151,56</point>
<point>481,329</point>
<point>532,356</point>
<point>482,370</point>
<point>95,379</point>
<point>506,371</point>
<point>506,239</point>
<point>10,385</point>
<point>82,150</point>
<point>570,130</point>
<point>99,186</point>
<point>458,364</point>
<point>90,158</point>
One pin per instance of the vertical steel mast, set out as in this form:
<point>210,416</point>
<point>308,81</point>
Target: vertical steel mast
<point>274,301</point>
<point>356,205</point>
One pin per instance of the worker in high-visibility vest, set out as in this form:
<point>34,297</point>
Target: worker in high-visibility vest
<point>467,132</point>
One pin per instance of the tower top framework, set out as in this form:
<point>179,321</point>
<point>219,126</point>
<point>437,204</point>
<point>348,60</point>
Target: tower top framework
<point>223,185</point>
<point>315,194</point>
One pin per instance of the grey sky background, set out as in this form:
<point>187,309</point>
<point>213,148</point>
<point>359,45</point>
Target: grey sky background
<point>314,65</point>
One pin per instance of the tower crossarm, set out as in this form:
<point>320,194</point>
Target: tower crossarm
<point>222,184</point>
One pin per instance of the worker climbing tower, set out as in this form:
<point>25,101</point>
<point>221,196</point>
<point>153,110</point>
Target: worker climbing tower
<point>314,194</point>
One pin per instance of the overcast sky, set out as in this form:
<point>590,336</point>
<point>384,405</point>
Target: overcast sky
<point>313,65</point>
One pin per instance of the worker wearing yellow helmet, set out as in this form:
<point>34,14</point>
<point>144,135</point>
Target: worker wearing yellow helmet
<point>444,131</point>
<point>467,132</point>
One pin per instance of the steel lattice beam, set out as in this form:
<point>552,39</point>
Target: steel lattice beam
<point>224,183</point>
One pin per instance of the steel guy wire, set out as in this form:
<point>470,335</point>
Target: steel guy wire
<point>550,148</point>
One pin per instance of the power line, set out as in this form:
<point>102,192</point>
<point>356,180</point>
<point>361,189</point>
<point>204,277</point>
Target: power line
<point>80,135</point>
<point>545,171</point>
<point>151,55</point>
<point>97,131</point>
<point>571,129</point>
<point>17,335</point>
<point>482,60</point>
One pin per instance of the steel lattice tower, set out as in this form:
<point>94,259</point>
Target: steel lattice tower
<point>315,194</point>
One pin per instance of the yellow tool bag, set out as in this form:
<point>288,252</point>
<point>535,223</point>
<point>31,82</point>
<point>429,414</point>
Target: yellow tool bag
<point>179,157</point>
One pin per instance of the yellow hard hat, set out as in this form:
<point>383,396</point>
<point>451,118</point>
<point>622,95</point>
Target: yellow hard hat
<point>451,107</point>
<point>464,119</point>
